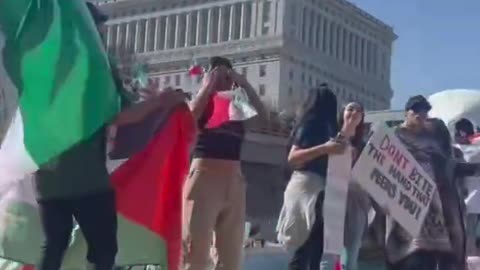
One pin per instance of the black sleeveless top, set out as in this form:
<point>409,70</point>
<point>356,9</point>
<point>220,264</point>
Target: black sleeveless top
<point>223,142</point>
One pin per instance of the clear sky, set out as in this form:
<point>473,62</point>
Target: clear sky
<point>438,46</point>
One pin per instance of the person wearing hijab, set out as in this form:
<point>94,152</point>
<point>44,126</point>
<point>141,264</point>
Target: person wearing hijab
<point>300,227</point>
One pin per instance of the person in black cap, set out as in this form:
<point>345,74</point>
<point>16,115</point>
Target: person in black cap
<point>432,248</point>
<point>416,113</point>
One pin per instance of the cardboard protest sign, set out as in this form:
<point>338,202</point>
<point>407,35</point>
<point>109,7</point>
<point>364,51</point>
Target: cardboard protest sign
<point>395,180</point>
<point>335,201</point>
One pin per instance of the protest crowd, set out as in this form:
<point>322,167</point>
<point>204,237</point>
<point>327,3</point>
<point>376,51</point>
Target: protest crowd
<point>178,192</point>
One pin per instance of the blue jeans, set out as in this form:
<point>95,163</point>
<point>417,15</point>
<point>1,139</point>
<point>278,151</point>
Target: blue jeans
<point>356,224</point>
<point>425,260</point>
<point>472,224</point>
<point>328,261</point>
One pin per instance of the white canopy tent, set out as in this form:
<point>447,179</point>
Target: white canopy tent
<point>453,105</point>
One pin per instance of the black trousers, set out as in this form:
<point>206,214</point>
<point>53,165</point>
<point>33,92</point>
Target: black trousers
<point>96,216</point>
<point>426,260</point>
<point>309,255</point>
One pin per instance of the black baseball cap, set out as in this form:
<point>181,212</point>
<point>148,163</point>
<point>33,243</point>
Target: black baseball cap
<point>418,103</point>
<point>98,16</point>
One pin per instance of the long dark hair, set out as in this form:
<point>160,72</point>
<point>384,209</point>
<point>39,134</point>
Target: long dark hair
<point>357,140</point>
<point>441,134</point>
<point>320,108</point>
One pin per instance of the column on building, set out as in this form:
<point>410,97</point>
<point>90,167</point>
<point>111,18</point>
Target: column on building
<point>311,29</point>
<point>321,34</point>
<point>233,23</point>
<point>243,20</point>
<point>364,53</point>
<point>318,31</point>
<point>259,18</point>
<point>178,28</point>
<point>254,19</point>
<point>375,59</point>
<point>341,44</point>
<point>305,25</point>
<point>108,41</point>
<point>358,51</point>
<point>326,35</point>
<point>333,36</point>
<point>156,37</point>
<point>272,22</point>
<point>199,28</point>
<point>368,62</point>
<point>119,38</point>
<point>347,44</point>
<point>210,37</point>
<point>136,38</point>
<point>146,43</point>
<point>221,25</point>
<point>167,32</point>
<point>280,19</point>
<point>128,37</point>
<point>188,29</point>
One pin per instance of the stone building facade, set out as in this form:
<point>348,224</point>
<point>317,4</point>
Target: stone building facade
<point>284,47</point>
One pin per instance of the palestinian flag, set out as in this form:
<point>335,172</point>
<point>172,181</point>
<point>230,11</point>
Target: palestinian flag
<point>55,71</point>
<point>57,86</point>
<point>148,188</point>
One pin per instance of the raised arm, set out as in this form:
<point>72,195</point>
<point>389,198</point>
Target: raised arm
<point>200,102</point>
<point>298,156</point>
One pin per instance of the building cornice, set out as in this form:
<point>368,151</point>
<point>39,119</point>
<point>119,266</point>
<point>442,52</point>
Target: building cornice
<point>258,46</point>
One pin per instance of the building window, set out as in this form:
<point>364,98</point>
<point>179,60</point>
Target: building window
<point>310,80</point>
<point>267,5</point>
<point>290,75</point>
<point>261,90</point>
<point>331,36</point>
<point>351,51</point>
<point>337,42</point>
<point>262,71</point>
<point>290,91</point>
<point>166,80</point>
<point>362,54</point>
<point>177,80</point>
<point>357,50</point>
<point>318,29</point>
<point>303,77</point>
<point>304,25</point>
<point>344,45</point>
<point>244,71</point>
<point>325,37</point>
<point>369,57</point>
<point>311,29</point>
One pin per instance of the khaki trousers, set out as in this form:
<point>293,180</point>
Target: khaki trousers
<point>214,205</point>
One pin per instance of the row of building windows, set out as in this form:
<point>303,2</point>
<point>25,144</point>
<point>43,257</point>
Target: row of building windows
<point>319,32</point>
<point>311,83</point>
<point>166,80</point>
<point>194,28</point>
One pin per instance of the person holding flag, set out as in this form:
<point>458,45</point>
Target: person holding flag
<point>214,194</point>
<point>58,130</point>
